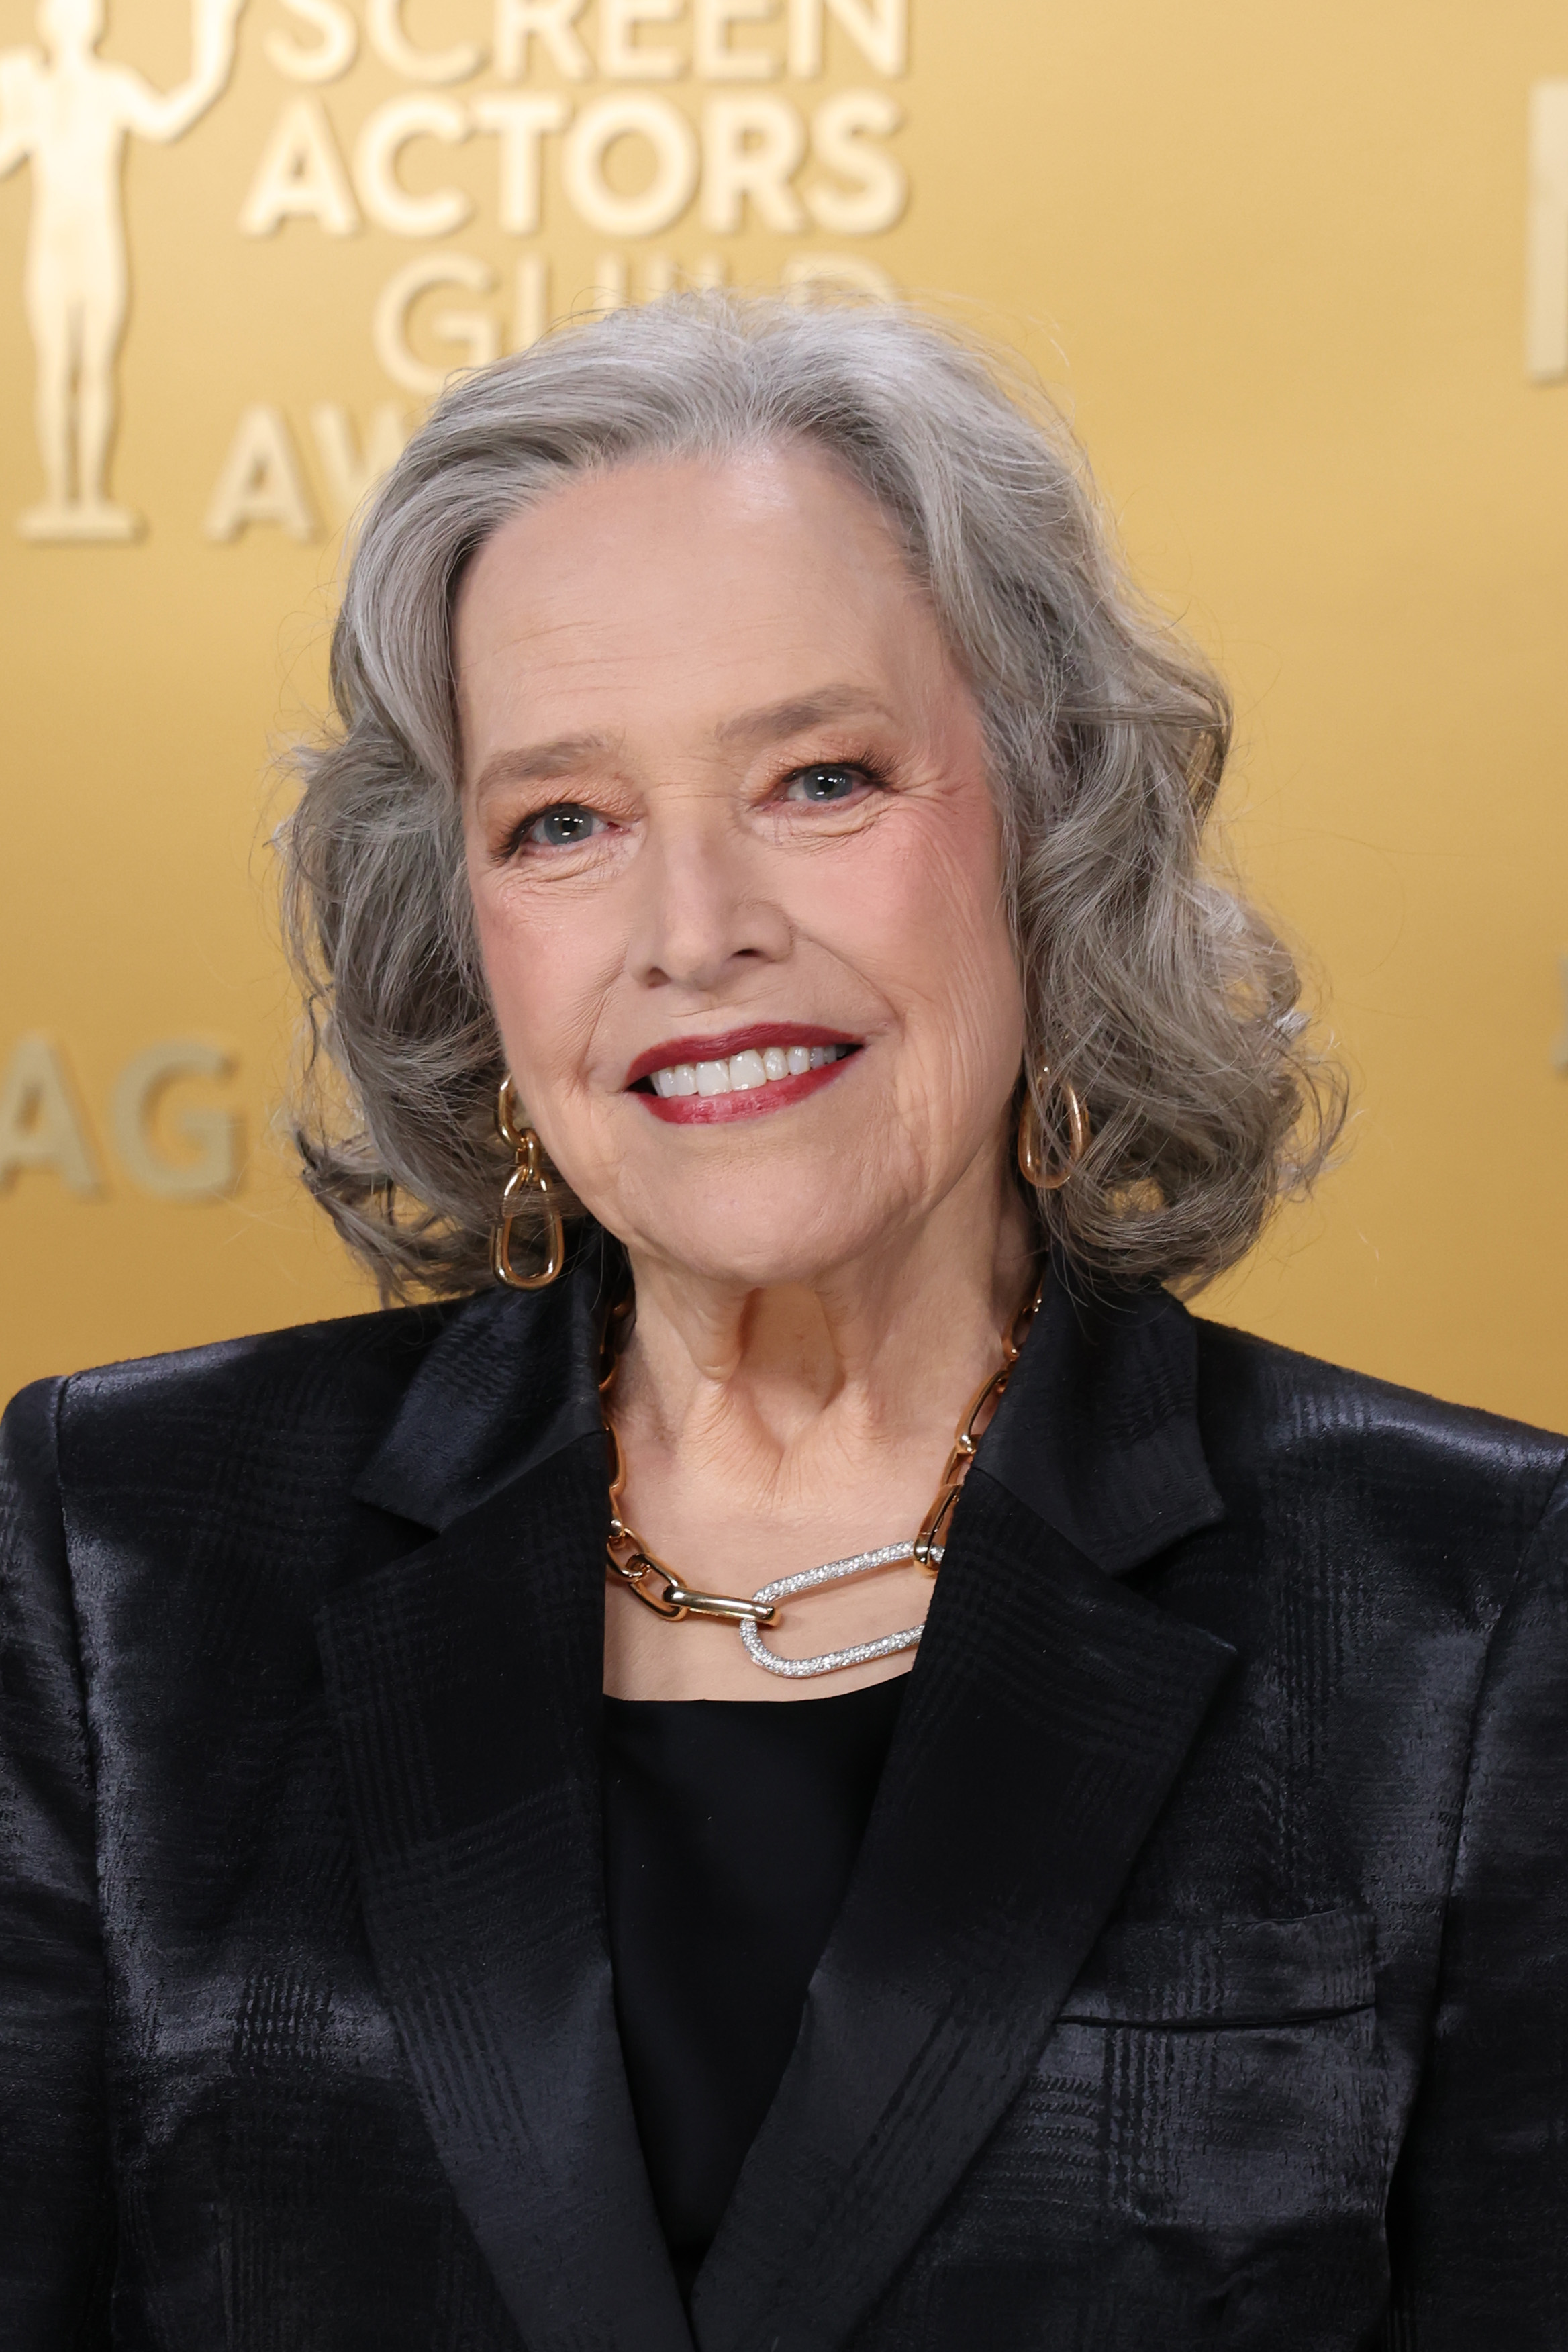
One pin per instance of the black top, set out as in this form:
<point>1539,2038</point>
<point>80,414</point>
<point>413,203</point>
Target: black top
<point>731,1829</point>
<point>1202,1981</point>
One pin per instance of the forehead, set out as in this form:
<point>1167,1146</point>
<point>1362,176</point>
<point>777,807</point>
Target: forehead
<point>707,582</point>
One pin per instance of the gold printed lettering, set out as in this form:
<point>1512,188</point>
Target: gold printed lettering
<point>41,1124</point>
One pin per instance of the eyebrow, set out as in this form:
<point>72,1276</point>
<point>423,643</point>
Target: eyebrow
<point>534,762</point>
<point>537,763</point>
<point>779,718</point>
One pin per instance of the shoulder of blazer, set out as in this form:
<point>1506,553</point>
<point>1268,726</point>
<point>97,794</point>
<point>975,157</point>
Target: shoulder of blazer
<point>1282,1399</point>
<point>327,1388</point>
<point>304,1457</point>
<point>1131,1424</point>
<point>1291,1439</point>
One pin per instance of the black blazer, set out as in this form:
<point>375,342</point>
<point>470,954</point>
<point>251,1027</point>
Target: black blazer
<point>1204,1979</point>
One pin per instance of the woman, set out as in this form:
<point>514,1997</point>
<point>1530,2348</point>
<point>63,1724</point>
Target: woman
<point>753,768</point>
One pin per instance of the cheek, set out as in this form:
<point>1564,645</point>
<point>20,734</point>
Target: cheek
<point>924,916</point>
<point>505,948</point>
<point>547,981</point>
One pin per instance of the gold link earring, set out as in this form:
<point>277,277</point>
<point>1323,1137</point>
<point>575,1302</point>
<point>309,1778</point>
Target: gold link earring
<point>528,1175</point>
<point>1033,1163</point>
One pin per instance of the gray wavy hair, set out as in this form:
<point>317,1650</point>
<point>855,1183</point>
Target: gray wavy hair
<point>1150,985</point>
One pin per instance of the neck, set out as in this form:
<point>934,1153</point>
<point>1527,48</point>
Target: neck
<point>874,1354</point>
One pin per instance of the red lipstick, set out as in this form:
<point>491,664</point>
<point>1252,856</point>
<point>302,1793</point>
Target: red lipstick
<point>725,1042</point>
<point>747,1102</point>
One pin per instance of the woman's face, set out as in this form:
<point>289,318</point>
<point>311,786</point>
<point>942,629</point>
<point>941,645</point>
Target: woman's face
<point>735,864</point>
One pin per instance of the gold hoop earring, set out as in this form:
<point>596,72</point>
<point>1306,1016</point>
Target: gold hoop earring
<point>528,1175</point>
<point>1033,1164</point>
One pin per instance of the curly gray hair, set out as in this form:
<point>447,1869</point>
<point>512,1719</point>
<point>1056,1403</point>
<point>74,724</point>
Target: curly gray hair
<point>1150,986</point>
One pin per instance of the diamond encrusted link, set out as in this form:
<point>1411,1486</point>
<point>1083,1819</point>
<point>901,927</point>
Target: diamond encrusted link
<point>805,1579</point>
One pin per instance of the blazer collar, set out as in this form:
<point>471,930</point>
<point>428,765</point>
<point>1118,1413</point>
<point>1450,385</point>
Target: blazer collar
<point>1098,1433</point>
<point>1050,1712</point>
<point>512,1378</point>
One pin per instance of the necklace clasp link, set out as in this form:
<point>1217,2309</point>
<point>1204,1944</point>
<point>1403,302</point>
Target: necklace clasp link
<point>677,1600</point>
<point>719,1604</point>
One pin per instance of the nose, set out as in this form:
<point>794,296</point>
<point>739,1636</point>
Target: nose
<point>705,910</point>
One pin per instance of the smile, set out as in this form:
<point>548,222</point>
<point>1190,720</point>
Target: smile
<point>740,1075</point>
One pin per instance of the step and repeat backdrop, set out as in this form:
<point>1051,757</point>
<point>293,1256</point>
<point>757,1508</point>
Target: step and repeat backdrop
<point>1300,278</point>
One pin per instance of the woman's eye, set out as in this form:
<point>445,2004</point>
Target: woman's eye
<point>562,827</point>
<point>823,784</point>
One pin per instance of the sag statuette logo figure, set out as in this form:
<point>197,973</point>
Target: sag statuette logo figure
<point>67,114</point>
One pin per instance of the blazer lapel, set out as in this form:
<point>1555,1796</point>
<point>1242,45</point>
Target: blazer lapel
<point>511,1380</point>
<point>466,1680</point>
<point>1048,1713</point>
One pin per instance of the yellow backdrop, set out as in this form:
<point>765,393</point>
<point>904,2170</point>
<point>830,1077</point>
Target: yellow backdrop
<point>1299,276</point>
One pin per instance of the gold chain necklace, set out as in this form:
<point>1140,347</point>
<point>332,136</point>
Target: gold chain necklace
<point>628,1558</point>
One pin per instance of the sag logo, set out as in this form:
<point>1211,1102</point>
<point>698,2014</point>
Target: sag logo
<point>171,1141</point>
<point>67,114</point>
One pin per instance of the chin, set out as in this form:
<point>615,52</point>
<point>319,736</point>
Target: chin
<point>780,1238</point>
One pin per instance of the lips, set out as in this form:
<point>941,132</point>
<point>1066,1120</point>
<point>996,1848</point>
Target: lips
<point>737,1073</point>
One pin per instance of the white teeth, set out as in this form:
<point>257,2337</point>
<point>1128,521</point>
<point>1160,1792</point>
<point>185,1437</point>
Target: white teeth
<point>743,1071</point>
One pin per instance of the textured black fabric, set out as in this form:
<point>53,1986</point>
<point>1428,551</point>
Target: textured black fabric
<point>1202,1978</point>
<point>731,1830</point>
